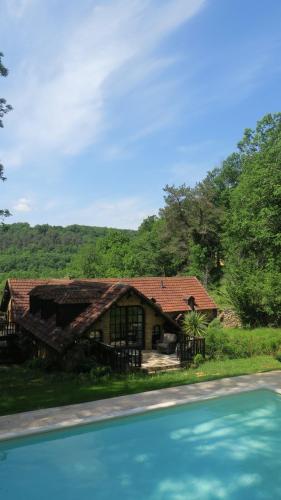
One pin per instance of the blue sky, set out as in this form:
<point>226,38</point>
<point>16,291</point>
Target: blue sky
<point>113,99</point>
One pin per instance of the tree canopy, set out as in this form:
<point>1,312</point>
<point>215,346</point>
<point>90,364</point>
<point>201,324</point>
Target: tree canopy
<point>253,227</point>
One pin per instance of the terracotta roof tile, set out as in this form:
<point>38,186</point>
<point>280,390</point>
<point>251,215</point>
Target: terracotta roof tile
<point>60,338</point>
<point>171,293</point>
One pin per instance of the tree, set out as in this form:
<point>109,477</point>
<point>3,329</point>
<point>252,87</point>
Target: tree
<point>225,178</point>
<point>192,229</point>
<point>253,227</point>
<point>106,258</point>
<point>149,254</point>
<point>4,108</point>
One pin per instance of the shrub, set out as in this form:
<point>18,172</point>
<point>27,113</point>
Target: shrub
<point>45,364</point>
<point>198,360</point>
<point>238,343</point>
<point>216,344</point>
<point>194,324</point>
<point>278,355</point>
<point>215,324</point>
<point>100,371</point>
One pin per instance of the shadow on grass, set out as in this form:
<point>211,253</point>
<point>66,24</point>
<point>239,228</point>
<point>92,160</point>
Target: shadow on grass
<point>23,389</point>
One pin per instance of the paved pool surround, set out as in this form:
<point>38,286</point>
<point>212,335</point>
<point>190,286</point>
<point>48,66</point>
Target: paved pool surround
<point>50,419</point>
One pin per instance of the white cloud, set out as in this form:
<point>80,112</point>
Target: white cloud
<point>22,205</point>
<point>126,212</point>
<point>61,105</point>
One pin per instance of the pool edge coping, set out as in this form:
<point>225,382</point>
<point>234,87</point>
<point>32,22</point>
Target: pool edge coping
<point>46,420</point>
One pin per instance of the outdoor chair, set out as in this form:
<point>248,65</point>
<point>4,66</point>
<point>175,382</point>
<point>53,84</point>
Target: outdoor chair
<point>168,344</point>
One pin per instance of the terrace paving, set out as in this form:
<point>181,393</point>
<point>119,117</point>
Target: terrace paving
<point>153,361</point>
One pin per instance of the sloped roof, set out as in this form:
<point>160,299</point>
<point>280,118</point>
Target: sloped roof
<point>74,292</point>
<point>60,338</point>
<point>18,290</point>
<point>171,293</point>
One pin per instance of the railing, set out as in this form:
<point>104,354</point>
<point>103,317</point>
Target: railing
<point>119,358</point>
<point>7,329</point>
<point>188,347</point>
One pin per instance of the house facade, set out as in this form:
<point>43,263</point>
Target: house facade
<point>117,316</point>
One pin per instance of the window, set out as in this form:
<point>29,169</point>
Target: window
<point>96,335</point>
<point>127,325</point>
<point>156,335</point>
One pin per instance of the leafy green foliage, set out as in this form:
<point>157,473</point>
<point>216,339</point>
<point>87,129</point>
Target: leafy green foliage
<point>253,227</point>
<point>194,324</point>
<point>106,258</point>
<point>192,223</point>
<point>124,254</point>
<point>198,360</point>
<point>240,343</point>
<point>45,251</point>
<point>278,355</point>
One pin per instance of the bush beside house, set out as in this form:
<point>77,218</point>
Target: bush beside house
<point>222,343</point>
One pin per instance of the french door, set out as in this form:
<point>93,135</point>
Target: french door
<point>127,326</point>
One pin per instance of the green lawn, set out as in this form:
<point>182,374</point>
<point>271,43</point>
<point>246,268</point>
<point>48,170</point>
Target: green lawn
<point>23,389</point>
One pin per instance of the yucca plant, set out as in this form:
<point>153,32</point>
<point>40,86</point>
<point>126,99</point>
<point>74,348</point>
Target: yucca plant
<point>195,324</point>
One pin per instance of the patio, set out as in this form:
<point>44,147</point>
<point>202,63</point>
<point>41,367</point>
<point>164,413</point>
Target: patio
<point>153,361</point>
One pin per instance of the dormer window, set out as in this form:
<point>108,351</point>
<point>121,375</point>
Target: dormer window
<point>34,304</point>
<point>191,302</point>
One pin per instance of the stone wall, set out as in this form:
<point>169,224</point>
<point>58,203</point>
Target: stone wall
<point>230,319</point>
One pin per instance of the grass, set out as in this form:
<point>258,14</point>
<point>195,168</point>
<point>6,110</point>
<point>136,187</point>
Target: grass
<point>23,389</point>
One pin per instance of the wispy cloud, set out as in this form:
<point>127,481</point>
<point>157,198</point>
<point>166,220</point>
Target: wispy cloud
<point>122,212</point>
<point>61,106</point>
<point>127,212</point>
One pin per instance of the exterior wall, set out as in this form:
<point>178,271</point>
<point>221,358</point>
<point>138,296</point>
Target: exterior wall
<point>151,319</point>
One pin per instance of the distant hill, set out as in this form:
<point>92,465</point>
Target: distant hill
<point>43,250</point>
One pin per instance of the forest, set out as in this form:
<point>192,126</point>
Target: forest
<point>226,230</point>
<point>44,251</point>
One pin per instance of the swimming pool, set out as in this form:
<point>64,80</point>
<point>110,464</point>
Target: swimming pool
<point>224,448</point>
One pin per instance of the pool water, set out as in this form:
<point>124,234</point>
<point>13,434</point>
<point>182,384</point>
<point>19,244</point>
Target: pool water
<point>228,448</point>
